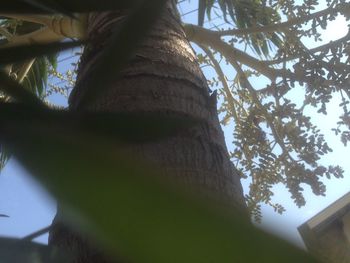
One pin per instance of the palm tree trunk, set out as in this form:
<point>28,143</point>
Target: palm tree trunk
<point>163,77</point>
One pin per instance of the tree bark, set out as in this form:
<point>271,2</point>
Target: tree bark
<point>162,77</point>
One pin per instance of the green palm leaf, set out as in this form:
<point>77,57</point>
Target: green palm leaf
<point>246,14</point>
<point>4,157</point>
<point>35,79</point>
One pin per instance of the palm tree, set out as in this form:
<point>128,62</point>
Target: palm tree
<point>162,77</point>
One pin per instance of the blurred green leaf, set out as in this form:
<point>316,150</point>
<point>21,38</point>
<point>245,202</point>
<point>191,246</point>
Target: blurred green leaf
<point>36,78</point>
<point>79,6</point>
<point>17,92</point>
<point>23,52</point>
<point>52,59</point>
<point>120,48</point>
<point>130,208</point>
<point>19,251</point>
<point>123,127</point>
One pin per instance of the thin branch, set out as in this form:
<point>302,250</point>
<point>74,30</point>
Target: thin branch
<point>267,116</point>
<point>231,100</point>
<point>322,48</point>
<point>202,36</point>
<point>306,101</point>
<point>37,234</point>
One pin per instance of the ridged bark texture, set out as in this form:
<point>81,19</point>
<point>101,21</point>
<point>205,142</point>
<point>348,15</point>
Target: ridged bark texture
<point>163,76</point>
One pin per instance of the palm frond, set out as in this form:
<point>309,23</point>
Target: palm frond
<point>36,79</point>
<point>32,73</point>
<point>4,157</point>
<point>246,14</point>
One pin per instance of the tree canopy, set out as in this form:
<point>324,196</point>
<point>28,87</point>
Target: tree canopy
<point>274,140</point>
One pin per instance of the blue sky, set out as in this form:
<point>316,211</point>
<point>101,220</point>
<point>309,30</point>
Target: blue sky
<point>31,208</point>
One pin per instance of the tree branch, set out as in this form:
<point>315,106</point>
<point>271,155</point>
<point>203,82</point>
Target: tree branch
<point>202,36</point>
<point>37,234</point>
<point>322,48</point>
<point>231,100</point>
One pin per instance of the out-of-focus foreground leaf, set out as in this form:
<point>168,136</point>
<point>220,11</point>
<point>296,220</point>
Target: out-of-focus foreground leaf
<point>63,6</point>
<point>19,251</point>
<point>128,208</point>
<point>122,127</point>
<point>34,83</point>
<point>23,52</point>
